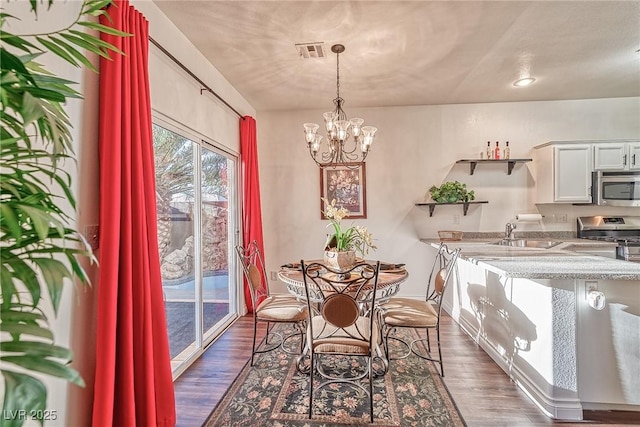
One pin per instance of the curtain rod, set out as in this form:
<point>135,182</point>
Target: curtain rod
<point>181,65</point>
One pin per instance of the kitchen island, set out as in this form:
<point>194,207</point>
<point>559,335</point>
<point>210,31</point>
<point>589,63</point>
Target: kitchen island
<point>528,309</point>
<point>552,263</point>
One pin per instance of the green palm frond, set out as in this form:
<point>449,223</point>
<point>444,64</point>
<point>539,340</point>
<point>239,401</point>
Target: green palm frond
<point>41,251</point>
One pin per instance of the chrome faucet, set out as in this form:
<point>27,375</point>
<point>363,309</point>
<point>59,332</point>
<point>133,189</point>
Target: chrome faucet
<point>508,230</point>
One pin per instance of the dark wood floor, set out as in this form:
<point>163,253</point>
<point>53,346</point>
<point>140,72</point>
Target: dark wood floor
<point>483,392</point>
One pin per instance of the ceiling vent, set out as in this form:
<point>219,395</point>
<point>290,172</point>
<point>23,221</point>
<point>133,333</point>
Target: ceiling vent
<point>310,50</point>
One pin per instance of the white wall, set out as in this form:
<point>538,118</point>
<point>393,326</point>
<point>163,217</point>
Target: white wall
<point>177,96</point>
<point>416,147</point>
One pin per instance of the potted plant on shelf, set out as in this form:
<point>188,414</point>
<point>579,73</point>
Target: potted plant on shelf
<point>451,192</point>
<point>341,246</point>
<point>41,250</point>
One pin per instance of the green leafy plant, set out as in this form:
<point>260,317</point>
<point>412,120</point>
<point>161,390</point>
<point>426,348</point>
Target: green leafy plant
<point>353,238</point>
<point>41,251</point>
<point>451,192</point>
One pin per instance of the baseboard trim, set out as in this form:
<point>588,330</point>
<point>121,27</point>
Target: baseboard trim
<point>554,407</point>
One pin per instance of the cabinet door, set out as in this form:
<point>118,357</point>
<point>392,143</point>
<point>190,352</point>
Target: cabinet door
<point>610,156</point>
<point>572,173</point>
<point>634,156</point>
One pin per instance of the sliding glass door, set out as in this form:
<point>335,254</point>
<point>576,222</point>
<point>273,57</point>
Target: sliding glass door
<point>196,201</point>
<point>218,172</point>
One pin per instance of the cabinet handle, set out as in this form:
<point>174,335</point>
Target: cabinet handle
<point>633,160</point>
<point>624,160</point>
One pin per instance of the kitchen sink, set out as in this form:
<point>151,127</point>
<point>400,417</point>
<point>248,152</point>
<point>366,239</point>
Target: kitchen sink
<point>524,243</point>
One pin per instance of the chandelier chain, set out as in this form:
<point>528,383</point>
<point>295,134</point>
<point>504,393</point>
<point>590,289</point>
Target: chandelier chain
<point>337,75</point>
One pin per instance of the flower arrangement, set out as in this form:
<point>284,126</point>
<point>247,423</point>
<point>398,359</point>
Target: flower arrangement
<point>354,238</point>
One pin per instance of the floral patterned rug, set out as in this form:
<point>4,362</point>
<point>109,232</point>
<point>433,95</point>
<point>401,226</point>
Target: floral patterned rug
<point>274,393</point>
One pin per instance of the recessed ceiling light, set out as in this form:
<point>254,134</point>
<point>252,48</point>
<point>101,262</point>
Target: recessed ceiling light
<point>524,82</point>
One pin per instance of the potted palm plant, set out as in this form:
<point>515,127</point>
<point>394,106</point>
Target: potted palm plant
<point>41,250</point>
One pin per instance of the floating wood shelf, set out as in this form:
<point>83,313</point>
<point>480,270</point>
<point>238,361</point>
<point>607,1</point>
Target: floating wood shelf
<point>510,163</point>
<point>465,205</point>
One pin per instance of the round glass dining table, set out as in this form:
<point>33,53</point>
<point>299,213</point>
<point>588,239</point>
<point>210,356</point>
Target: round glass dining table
<point>389,279</point>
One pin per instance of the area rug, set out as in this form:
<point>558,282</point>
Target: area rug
<point>274,393</point>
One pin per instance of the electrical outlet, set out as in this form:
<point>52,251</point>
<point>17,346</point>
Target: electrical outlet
<point>274,275</point>
<point>456,219</point>
<point>561,218</point>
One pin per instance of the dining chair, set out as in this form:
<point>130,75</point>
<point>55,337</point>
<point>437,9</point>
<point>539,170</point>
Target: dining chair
<point>342,327</point>
<point>268,308</point>
<point>408,313</point>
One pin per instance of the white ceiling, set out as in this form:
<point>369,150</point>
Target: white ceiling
<point>417,52</point>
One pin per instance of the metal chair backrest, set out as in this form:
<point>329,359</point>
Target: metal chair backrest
<point>441,273</point>
<point>343,297</point>
<point>254,271</point>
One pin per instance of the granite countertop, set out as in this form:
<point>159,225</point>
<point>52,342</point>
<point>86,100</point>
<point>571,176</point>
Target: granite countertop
<point>554,263</point>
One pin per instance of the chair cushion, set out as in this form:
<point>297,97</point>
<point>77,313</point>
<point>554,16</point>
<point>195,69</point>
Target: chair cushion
<point>409,313</point>
<point>282,308</point>
<point>331,339</point>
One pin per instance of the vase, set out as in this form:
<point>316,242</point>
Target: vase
<point>340,259</point>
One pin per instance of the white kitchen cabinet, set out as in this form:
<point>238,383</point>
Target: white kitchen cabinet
<point>563,172</point>
<point>634,156</point>
<point>616,156</point>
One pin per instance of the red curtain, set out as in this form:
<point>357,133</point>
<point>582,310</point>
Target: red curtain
<point>133,383</point>
<point>251,211</point>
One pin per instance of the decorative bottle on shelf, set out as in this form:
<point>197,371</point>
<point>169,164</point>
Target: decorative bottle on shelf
<point>489,151</point>
<point>507,151</point>
<point>496,152</point>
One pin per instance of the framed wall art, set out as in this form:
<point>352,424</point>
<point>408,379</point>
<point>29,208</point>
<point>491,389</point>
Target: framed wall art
<point>347,185</point>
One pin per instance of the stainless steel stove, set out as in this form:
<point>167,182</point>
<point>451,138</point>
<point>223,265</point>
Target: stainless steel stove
<point>624,230</point>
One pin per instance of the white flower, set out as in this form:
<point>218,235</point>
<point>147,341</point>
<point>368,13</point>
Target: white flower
<point>353,238</point>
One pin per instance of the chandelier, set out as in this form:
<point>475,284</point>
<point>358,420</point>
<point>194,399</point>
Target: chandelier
<point>340,150</point>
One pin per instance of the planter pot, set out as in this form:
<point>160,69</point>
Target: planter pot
<point>341,259</point>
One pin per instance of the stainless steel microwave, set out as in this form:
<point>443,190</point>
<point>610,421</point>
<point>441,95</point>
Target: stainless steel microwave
<point>616,188</point>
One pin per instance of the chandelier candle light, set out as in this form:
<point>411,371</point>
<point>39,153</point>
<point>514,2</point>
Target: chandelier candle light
<point>339,128</point>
